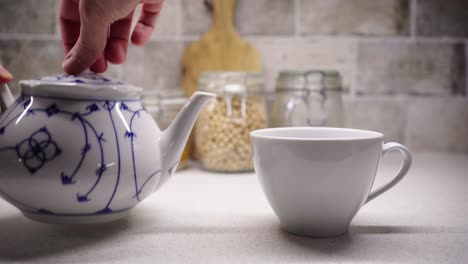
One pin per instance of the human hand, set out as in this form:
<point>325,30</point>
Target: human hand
<point>95,32</point>
<point>5,76</point>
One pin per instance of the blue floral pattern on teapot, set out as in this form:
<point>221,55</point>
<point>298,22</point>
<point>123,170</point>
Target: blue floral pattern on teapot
<point>78,156</point>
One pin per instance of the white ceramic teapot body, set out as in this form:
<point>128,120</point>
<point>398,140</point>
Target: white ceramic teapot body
<point>82,149</point>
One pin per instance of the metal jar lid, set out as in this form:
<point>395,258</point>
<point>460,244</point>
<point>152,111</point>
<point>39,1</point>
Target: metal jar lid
<point>228,85</point>
<point>314,80</point>
<point>231,82</point>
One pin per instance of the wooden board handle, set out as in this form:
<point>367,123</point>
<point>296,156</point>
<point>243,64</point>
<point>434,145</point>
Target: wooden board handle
<point>223,13</point>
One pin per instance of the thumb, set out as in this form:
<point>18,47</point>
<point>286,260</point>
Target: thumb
<point>91,42</point>
<point>5,76</point>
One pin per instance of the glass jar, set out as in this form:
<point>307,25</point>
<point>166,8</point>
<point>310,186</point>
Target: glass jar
<point>310,98</point>
<point>222,132</point>
<point>163,106</point>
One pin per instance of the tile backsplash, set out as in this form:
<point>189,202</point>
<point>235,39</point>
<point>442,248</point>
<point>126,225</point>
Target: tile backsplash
<point>403,62</point>
<point>356,17</point>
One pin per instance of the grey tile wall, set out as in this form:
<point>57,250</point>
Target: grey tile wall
<point>265,17</point>
<point>196,18</point>
<point>466,68</point>
<point>426,68</point>
<point>438,124</point>
<point>259,17</point>
<point>442,18</point>
<point>30,58</point>
<point>28,16</point>
<point>155,65</point>
<point>361,17</point>
<point>168,22</point>
<point>385,115</point>
<point>303,54</point>
<point>404,62</point>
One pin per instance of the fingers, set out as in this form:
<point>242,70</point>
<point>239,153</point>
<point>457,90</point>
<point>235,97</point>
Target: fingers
<point>145,26</point>
<point>5,76</point>
<point>117,44</point>
<point>100,65</point>
<point>91,41</point>
<point>69,23</point>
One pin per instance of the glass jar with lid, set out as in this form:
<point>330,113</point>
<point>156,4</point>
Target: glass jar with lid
<point>163,106</point>
<point>222,132</point>
<point>308,98</point>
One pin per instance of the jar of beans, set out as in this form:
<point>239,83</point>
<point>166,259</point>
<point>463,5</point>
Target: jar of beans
<point>222,140</point>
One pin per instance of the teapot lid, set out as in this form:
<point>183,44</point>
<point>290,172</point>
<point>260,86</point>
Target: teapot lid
<point>84,86</point>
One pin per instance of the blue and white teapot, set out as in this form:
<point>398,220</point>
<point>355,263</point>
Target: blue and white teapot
<point>82,149</point>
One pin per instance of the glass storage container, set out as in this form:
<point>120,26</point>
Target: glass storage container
<point>163,107</point>
<point>222,132</point>
<point>308,98</point>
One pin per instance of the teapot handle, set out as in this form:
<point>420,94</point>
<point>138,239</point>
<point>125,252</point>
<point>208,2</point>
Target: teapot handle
<point>6,98</point>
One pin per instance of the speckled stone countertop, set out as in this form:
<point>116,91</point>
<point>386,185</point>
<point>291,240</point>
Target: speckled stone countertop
<point>201,217</point>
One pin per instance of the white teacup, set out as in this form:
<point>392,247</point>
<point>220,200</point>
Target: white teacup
<point>316,179</point>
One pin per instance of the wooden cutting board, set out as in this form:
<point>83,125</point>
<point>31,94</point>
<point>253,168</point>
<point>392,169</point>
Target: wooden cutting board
<point>220,49</point>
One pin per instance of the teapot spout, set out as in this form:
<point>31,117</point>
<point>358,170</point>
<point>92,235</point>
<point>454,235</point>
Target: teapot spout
<point>6,98</point>
<point>174,138</point>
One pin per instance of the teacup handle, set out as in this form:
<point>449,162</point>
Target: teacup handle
<point>407,159</point>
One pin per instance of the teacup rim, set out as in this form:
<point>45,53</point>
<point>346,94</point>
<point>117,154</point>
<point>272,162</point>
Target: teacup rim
<point>373,135</point>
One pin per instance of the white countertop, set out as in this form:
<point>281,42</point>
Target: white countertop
<point>201,217</point>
